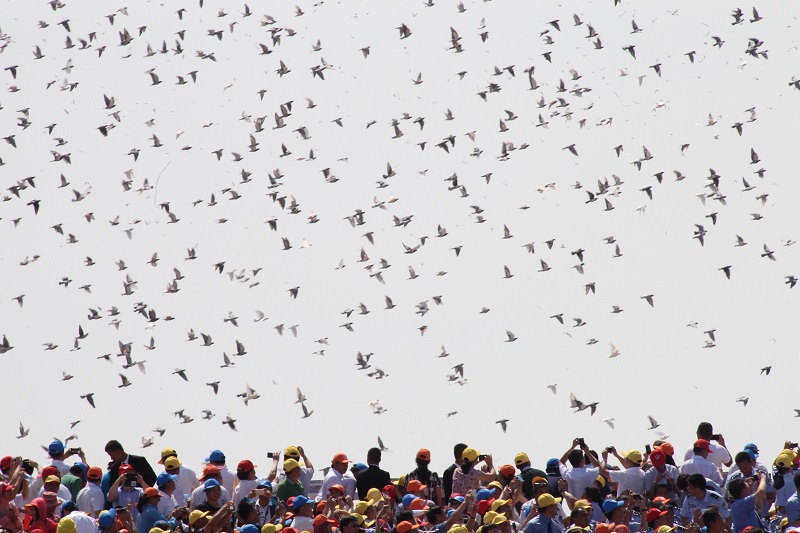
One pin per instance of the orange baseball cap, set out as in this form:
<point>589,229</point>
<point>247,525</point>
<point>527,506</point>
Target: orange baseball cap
<point>424,454</point>
<point>340,458</point>
<point>415,485</point>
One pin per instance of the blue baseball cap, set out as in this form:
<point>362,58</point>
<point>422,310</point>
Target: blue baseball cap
<point>752,449</point>
<point>248,528</point>
<point>407,499</point>
<point>359,467</point>
<point>107,518</point>
<point>216,456</point>
<point>264,483</point>
<point>56,448</point>
<point>610,505</point>
<point>68,506</point>
<point>83,466</point>
<point>552,464</point>
<point>164,478</point>
<point>484,494</point>
<point>299,501</point>
<point>210,484</point>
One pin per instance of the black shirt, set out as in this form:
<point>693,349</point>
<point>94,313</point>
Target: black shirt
<point>372,477</point>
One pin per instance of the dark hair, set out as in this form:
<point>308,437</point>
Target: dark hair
<point>797,480</point>
<point>593,494</point>
<point>245,509</point>
<point>458,449</point>
<point>432,513</point>
<point>142,502</point>
<point>697,481</point>
<point>742,457</point>
<point>348,520</point>
<point>404,516</point>
<point>705,430</point>
<point>710,515</point>
<point>374,455</point>
<point>242,475</point>
<point>682,482</point>
<point>697,450</point>
<point>114,446</point>
<point>736,487</point>
<point>575,457</point>
<point>75,470</point>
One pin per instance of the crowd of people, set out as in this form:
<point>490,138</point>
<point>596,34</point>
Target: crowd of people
<point>709,490</point>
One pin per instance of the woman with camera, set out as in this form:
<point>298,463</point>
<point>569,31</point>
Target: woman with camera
<point>467,477</point>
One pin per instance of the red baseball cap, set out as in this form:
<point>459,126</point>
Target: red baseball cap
<point>703,443</point>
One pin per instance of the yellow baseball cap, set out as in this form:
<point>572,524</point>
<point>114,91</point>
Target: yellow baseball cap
<point>289,465</point>
<point>469,454</point>
<point>165,453</point>
<point>521,458</point>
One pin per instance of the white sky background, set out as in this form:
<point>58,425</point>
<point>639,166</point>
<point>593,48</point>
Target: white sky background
<point>663,369</point>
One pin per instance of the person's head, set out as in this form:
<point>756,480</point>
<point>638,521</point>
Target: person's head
<point>247,512</point>
<point>115,451</point>
<point>51,483</point>
<point>745,462</point>
<point>576,458</point>
<point>166,482</point>
<point>580,515</point>
<point>661,490</point>
<point>631,458</point>
<point>423,459</point>
<point>458,449</point>
<point>77,471</point>
<point>94,475</point>
<point>150,496</point>
<point>657,516</point>
<point>172,465</point>
<point>209,472</point>
<point>212,490</point>
<point>292,470</point>
<point>701,447</point>
<point>696,486</point>
<point>614,510</point>
<point>302,506</point>
<point>705,430</point>
<point>348,524</point>
<point>739,488</point>
<point>522,461</point>
<point>340,462</point>
<point>216,457</point>
<point>56,449</point>
<point>374,456</point>
<point>506,474</point>
<point>712,519</point>
<point>548,505</point>
<point>246,470</point>
<point>108,521</point>
<point>416,488</point>
<point>198,519</point>
<point>436,515</point>
<point>166,453</point>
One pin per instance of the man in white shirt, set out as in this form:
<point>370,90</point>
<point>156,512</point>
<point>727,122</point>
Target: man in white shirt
<point>699,464</point>
<point>631,477</point>
<point>187,478</point>
<point>660,474</point>
<point>577,474</point>
<point>53,484</point>
<point>90,498</point>
<point>198,495</point>
<point>246,474</point>
<point>719,453</point>
<point>338,475</point>
<point>167,485</point>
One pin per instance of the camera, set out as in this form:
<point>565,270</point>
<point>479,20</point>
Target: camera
<point>581,441</point>
<point>26,465</point>
<point>482,457</point>
<point>74,451</point>
<point>130,479</point>
<point>715,436</point>
<point>647,448</point>
<point>270,455</point>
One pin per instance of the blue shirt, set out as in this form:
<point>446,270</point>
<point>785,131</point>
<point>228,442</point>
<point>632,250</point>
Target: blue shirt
<point>149,516</point>
<point>743,513</point>
<point>793,508</point>
<point>543,524</point>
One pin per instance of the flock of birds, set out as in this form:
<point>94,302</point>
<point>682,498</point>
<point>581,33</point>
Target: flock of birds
<point>277,161</point>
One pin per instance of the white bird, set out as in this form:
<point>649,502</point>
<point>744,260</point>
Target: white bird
<point>610,422</point>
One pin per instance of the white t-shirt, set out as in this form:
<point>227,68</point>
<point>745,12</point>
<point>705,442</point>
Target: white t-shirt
<point>167,503</point>
<point>699,465</point>
<point>631,479</point>
<point>244,488</point>
<point>303,523</point>
<point>578,478</point>
<point>90,499</point>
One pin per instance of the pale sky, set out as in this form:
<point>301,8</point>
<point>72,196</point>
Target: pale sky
<point>663,369</point>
